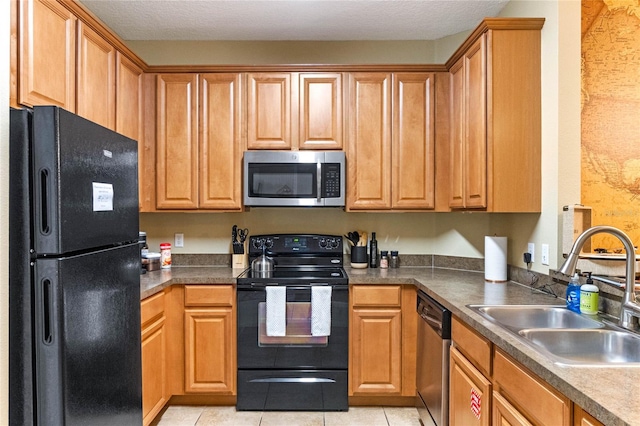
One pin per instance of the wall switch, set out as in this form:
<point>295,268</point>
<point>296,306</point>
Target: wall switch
<point>531,248</point>
<point>179,240</point>
<point>545,254</point>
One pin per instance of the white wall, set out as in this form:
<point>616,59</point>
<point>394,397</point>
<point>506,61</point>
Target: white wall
<point>4,220</point>
<point>560,125</point>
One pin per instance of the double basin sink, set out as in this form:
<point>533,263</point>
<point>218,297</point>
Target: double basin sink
<point>566,337</point>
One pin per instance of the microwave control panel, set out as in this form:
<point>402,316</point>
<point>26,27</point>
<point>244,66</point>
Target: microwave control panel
<point>331,180</point>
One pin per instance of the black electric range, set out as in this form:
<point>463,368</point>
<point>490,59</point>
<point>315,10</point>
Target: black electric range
<point>300,367</point>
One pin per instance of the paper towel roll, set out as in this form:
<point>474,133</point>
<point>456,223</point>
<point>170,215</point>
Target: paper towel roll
<point>495,259</point>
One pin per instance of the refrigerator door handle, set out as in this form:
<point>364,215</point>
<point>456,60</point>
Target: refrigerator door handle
<point>43,189</point>
<point>45,308</point>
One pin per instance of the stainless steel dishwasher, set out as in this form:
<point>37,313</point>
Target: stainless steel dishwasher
<point>434,341</point>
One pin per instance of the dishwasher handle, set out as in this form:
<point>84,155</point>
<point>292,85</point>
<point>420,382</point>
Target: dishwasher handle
<point>435,315</point>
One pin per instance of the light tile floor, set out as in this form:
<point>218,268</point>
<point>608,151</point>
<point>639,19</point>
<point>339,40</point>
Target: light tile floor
<point>177,415</point>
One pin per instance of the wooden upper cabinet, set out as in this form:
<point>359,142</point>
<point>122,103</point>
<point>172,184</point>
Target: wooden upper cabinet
<point>177,141</point>
<point>96,90</point>
<point>47,59</point>
<point>221,143</point>
<point>475,73</point>
<point>457,132</point>
<point>369,146</point>
<point>320,111</point>
<point>129,111</point>
<point>413,133</point>
<point>269,111</point>
<point>495,130</point>
<point>129,100</point>
<point>468,150</point>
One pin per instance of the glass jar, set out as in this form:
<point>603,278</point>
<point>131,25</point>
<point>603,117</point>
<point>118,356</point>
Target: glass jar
<point>394,262</point>
<point>384,259</point>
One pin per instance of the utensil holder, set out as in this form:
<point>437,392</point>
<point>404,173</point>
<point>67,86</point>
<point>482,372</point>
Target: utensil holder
<point>359,258</point>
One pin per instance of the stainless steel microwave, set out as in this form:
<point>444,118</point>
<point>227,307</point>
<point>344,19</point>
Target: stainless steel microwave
<point>294,178</point>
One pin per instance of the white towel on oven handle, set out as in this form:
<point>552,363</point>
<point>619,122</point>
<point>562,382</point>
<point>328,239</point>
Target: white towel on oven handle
<point>320,310</point>
<point>276,311</point>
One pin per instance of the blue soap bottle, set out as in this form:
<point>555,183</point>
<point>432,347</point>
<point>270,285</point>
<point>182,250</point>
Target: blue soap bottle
<point>573,294</point>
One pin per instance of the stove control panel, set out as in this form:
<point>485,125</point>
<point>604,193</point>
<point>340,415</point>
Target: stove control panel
<point>293,244</point>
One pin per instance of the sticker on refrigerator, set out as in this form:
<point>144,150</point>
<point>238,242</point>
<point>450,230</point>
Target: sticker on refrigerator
<point>102,197</point>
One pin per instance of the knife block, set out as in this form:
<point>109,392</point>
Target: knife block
<point>240,261</point>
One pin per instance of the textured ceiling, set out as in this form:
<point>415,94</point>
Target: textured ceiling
<point>291,19</point>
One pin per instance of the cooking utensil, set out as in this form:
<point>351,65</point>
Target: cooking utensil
<point>349,240</point>
<point>243,233</point>
<point>353,237</point>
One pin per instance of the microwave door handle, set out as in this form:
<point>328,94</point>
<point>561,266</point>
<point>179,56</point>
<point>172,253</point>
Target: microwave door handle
<point>319,182</point>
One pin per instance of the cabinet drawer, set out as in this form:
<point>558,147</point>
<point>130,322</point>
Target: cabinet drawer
<point>151,308</point>
<point>475,347</point>
<point>539,402</point>
<point>376,295</point>
<point>208,295</point>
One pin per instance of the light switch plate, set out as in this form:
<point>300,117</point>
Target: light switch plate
<point>531,248</point>
<point>179,240</point>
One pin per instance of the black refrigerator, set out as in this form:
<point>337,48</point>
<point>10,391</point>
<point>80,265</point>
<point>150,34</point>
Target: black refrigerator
<point>74,272</point>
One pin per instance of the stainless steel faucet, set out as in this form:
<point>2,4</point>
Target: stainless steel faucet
<point>630,307</point>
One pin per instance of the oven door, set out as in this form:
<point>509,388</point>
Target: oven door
<point>297,349</point>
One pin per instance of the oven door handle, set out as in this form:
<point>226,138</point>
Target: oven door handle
<point>292,380</point>
<point>292,287</point>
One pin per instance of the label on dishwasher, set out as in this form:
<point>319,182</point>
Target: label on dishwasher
<point>476,402</point>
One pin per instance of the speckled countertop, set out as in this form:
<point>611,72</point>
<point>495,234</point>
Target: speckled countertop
<point>609,394</point>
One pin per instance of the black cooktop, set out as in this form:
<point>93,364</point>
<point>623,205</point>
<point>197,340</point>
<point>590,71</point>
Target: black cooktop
<point>293,274</point>
<point>300,259</point>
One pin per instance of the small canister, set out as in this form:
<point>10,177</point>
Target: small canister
<point>165,255</point>
<point>394,262</point>
<point>384,259</point>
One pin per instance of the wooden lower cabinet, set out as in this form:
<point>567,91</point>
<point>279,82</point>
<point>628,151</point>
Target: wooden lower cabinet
<point>506,414</point>
<point>582,418</point>
<point>532,397</point>
<point>154,367</point>
<point>487,386</point>
<point>382,343</point>
<point>210,339</point>
<point>469,393</point>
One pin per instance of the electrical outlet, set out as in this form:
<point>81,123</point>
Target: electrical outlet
<point>531,248</point>
<point>545,254</point>
<point>179,240</point>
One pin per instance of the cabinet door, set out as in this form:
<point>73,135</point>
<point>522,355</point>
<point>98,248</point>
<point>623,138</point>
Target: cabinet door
<point>369,146</point>
<point>506,414</point>
<point>177,142</point>
<point>457,126</point>
<point>210,363</point>
<point>475,166</point>
<point>129,111</point>
<point>469,393</point>
<point>269,111</point>
<point>582,418</point>
<point>47,46</point>
<point>376,352</point>
<point>221,144</point>
<point>320,111</point>
<point>129,118</point>
<point>413,130</point>
<point>96,88</point>
<point>154,347</point>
